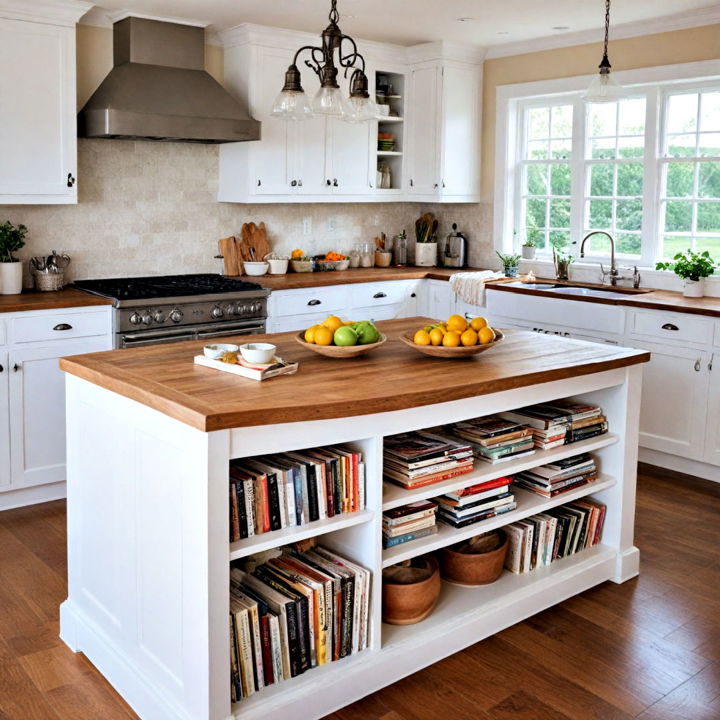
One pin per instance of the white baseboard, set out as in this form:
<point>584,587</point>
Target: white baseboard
<point>678,464</point>
<point>31,495</point>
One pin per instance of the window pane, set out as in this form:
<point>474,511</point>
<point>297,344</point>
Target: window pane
<point>711,244</point>
<point>682,113</point>
<point>600,214</point>
<point>539,123</point>
<point>681,146</point>
<point>630,179</point>
<point>603,149</point>
<point>562,120</point>
<point>710,111</point>
<point>628,215</point>
<point>597,245</point>
<point>673,245</point>
<point>560,179</point>
<point>601,179</point>
<point>709,180</point>
<point>559,239</point>
<point>537,179</point>
<point>536,213</point>
<point>633,147</point>
<point>560,149</point>
<point>708,217</point>
<point>678,216</point>
<point>632,117</point>
<point>603,117</point>
<point>537,150</point>
<point>627,244</point>
<point>537,235</point>
<point>680,179</point>
<point>709,145</point>
<point>560,213</point>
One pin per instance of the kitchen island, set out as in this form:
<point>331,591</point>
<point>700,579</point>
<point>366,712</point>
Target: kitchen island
<point>150,437</point>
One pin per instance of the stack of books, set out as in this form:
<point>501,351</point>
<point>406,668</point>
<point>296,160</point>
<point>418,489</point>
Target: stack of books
<point>421,458</point>
<point>494,439</point>
<point>293,613</point>
<point>409,522</point>
<point>478,502</point>
<point>541,539</point>
<point>559,476</point>
<point>272,492</point>
<point>560,422</point>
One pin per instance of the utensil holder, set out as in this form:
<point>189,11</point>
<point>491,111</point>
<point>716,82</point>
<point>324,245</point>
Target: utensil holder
<point>49,282</point>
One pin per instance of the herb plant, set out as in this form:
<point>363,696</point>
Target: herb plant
<point>509,260</point>
<point>690,265</point>
<point>11,240</point>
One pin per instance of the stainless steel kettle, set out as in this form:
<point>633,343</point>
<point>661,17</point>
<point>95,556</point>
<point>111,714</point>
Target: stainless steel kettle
<point>453,252</point>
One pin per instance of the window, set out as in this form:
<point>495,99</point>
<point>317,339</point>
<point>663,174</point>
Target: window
<point>645,169</point>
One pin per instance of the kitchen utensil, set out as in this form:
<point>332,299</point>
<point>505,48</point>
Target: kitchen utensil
<point>215,352</point>
<point>255,268</point>
<point>337,351</point>
<point>230,253</point>
<point>260,353</point>
<point>58,262</point>
<point>452,352</point>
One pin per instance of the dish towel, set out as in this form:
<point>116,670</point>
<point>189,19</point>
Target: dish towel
<point>470,286</point>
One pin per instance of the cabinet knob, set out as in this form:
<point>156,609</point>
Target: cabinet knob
<point>328,183</point>
<point>299,183</point>
<point>259,183</point>
<point>379,295</point>
<point>293,183</point>
<point>2,369</point>
<point>16,367</point>
<point>335,182</point>
<point>314,302</point>
<point>698,365</point>
<point>443,183</point>
<point>70,180</point>
<point>370,184</point>
<point>62,326</point>
<point>670,326</point>
<point>435,185</point>
<point>413,295</point>
<point>412,183</point>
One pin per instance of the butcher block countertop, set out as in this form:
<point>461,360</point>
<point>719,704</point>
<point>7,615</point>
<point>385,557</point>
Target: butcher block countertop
<point>34,300</point>
<point>392,377</point>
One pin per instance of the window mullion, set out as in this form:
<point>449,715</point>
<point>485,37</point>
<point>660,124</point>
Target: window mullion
<point>651,246</point>
<point>578,175</point>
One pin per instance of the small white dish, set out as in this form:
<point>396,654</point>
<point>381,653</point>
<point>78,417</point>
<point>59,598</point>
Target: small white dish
<point>255,268</point>
<point>261,353</point>
<point>215,352</point>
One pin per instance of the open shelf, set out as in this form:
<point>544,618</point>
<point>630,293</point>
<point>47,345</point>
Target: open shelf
<point>266,541</point>
<point>395,496</point>
<point>458,604</point>
<point>389,119</point>
<point>389,153</point>
<point>528,502</point>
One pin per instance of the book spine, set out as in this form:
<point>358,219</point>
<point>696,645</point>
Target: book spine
<point>235,682</point>
<point>330,488</point>
<point>266,650</point>
<point>305,494</point>
<point>320,481</point>
<point>391,542</point>
<point>347,617</point>
<point>246,656</point>
<point>298,486</point>
<point>257,647</point>
<point>282,500</point>
<point>234,517</point>
<point>273,501</point>
<point>312,493</point>
<point>276,644</point>
<point>242,511</point>
<point>290,498</point>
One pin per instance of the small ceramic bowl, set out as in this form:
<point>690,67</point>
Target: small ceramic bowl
<point>215,352</point>
<point>255,268</point>
<point>261,353</point>
<point>343,264</point>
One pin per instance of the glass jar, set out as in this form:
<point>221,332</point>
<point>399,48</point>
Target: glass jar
<point>354,257</point>
<point>367,254</point>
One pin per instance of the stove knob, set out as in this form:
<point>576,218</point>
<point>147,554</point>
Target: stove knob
<point>257,307</point>
<point>216,313</point>
<point>147,318</point>
<point>176,315</point>
<point>229,310</point>
<point>159,316</point>
<point>135,318</point>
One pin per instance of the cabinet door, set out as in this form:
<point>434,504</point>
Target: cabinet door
<point>712,436</point>
<point>440,300</point>
<point>37,411</point>
<point>37,113</point>
<point>674,400</point>
<point>309,140</point>
<point>348,157</point>
<point>4,424</point>
<point>424,147</point>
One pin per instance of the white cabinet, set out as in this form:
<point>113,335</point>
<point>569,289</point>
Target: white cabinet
<point>4,423</point>
<point>38,105</point>
<point>348,153</point>
<point>712,434</point>
<point>438,299</point>
<point>424,123</point>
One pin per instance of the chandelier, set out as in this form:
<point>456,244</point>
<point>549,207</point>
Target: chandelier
<point>604,87</point>
<point>292,103</point>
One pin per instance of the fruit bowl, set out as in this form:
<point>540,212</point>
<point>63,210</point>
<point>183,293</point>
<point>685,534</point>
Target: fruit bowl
<point>338,351</point>
<point>452,352</point>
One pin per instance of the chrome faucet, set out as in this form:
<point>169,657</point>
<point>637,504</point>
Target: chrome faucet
<point>614,272</point>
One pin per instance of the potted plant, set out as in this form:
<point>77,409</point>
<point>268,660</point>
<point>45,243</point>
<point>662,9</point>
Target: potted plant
<point>510,264</point>
<point>693,268</point>
<point>562,261</point>
<point>11,240</point>
<point>528,249</point>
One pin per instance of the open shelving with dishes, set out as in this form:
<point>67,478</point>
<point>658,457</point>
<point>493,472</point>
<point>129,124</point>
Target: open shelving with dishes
<point>390,98</point>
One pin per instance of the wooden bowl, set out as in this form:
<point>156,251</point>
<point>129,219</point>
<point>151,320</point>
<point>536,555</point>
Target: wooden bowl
<point>452,352</point>
<point>336,351</point>
<point>407,602</point>
<point>468,563</point>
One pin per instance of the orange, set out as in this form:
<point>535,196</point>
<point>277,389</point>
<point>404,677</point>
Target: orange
<point>310,334</point>
<point>332,323</point>
<point>478,323</point>
<point>457,323</point>
<point>421,337</point>
<point>486,335</point>
<point>469,337</point>
<point>436,336</point>
<point>323,336</point>
<point>451,339</point>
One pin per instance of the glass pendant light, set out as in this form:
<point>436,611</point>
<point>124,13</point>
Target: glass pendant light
<point>292,102</point>
<point>330,102</point>
<point>604,87</point>
<point>361,106</point>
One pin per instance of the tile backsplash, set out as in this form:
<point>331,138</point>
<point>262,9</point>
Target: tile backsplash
<point>149,208</point>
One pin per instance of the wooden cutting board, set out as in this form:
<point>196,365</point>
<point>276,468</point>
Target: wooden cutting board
<point>231,258</point>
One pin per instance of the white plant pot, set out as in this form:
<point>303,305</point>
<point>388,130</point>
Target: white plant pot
<point>528,253</point>
<point>694,288</point>
<point>426,254</point>
<point>11,278</point>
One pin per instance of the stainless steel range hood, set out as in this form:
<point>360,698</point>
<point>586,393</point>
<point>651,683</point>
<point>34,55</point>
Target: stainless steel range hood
<point>158,90</point>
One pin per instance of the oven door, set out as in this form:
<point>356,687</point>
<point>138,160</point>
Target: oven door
<point>143,338</point>
<point>252,328</point>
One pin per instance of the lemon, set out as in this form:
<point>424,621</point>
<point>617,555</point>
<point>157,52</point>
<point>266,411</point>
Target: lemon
<point>478,323</point>
<point>428,328</point>
<point>436,336</point>
<point>469,337</point>
<point>451,339</point>
<point>457,323</point>
<point>310,334</point>
<point>442,327</point>
<point>486,335</point>
<point>422,337</point>
<point>323,336</point>
<point>332,323</point>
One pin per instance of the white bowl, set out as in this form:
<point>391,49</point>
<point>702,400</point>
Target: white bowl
<point>255,268</point>
<point>278,266</point>
<point>261,353</point>
<point>215,352</point>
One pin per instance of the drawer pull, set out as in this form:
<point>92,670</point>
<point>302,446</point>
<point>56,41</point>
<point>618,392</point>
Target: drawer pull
<point>314,302</point>
<point>698,365</point>
<point>413,295</point>
<point>379,295</point>
<point>670,326</point>
<point>62,326</point>
<point>2,369</point>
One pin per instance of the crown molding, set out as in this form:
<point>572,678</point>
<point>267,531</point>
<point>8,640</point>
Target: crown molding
<point>55,12</point>
<point>98,17</point>
<point>443,50</point>
<point>667,23</point>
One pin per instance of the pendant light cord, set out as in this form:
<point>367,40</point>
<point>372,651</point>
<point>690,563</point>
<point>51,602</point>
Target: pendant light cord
<point>334,16</point>
<point>605,64</point>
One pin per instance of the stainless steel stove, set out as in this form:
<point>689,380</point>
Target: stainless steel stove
<point>170,308</point>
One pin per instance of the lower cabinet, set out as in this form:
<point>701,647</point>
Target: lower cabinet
<point>712,435</point>
<point>4,424</point>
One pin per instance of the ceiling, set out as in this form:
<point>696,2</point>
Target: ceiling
<point>408,22</point>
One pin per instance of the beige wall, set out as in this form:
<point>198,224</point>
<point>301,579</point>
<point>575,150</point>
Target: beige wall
<point>669,48</point>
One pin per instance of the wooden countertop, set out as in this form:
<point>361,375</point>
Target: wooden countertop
<point>34,300</point>
<point>393,377</point>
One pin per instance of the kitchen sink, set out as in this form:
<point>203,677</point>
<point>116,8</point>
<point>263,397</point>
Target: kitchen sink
<point>580,290</point>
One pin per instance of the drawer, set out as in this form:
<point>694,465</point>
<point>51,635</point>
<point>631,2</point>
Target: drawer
<point>289,323</point>
<point>3,336</point>
<point>327,300</point>
<point>671,327</point>
<point>371,294</point>
<point>58,326</point>
<point>376,313</point>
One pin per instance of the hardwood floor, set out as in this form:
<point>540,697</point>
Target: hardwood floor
<point>647,649</point>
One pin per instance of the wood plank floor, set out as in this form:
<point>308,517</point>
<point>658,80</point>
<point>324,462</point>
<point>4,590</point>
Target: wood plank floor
<point>647,649</point>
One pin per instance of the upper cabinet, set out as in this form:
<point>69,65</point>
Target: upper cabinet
<point>38,109</point>
<point>433,124</point>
